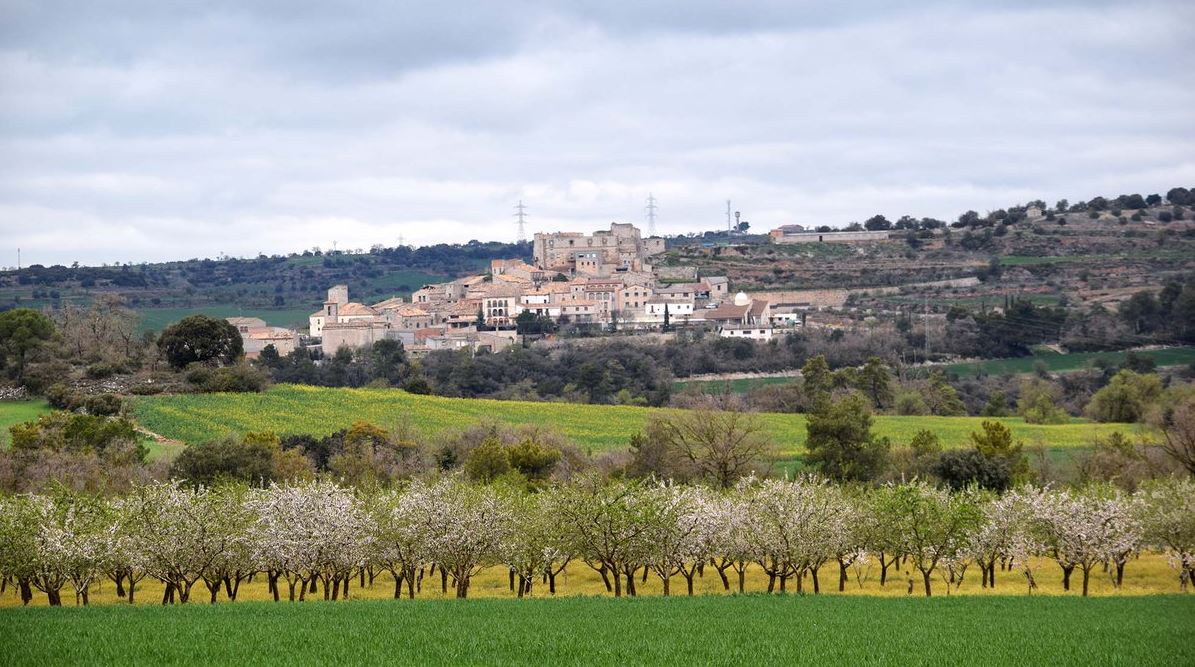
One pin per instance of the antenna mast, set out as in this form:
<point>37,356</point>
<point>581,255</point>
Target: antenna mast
<point>729,217</point>
<point>522,216</point>
<point>651,214</point>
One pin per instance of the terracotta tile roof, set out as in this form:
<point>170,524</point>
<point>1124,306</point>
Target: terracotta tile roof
<point>497,291</point>
<point>392,302</point>
<point>728,311</point>
<point>356,309</point>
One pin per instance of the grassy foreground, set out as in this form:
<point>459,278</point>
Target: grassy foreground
<point>749,629</point>
<point>287,409</point>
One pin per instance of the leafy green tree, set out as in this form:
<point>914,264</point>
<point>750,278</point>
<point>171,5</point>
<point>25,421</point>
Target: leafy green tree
<point>534,460</point>
<point>925,442</point>
<point>819,380</point>
<point>22,332</point>
<point>960,468</point>
<point>875,381</point>
<point>488,461</point>
<point>941,398</point>
<point>996,406</point>
<point>995,442</point>
<point>1126,398</point>
<point>1037,402</point>
<point>200,339</point>
<point>928,525</point>
<point>253,459</point>
<point>840,441</point>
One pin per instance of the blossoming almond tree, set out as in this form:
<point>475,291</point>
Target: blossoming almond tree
<point>1085,530</point>
<point>472,522</point>
<point>178,530</point>
<point>1167,514</point>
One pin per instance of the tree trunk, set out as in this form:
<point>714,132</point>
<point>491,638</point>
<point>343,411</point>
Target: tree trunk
<point>631,582</point>
<point>214,589</point>
<point>411,583</point>
<point>742,579</point>
<point>667,586</point>
<point>842,576</point>
<point>1066,576</point>
<point>510,575</point>
<point>928,592</point>
<point>27,591</point>
<point>443,581</point>
<point>344,593</point>
<point>291,586</point>
<point>551,582</point>
<point>1086,573</point>
<point>397,586</point>
<point>132,587</point>
<point>168,594</point>
<point>817,589</point>
<point>606,578</point>
<point>725,581</point>
<point>119,580</point>
<point>689,581</point>
<point>1119,573</point>
<point>617,583</point>
<point>54,596</point>
<point>884,564</point>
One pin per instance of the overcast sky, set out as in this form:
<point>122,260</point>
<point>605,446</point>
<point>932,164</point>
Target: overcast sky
<point>134,131</point>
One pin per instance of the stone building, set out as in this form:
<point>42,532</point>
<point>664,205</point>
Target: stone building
<point>621,248</point>
<point>781,236</point>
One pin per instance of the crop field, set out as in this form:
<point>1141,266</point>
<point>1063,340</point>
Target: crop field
<point>293,409</point>
<point>1171,356</point>
<point>1053,361</point>
<point>752,629</point>
<point>16,412</point>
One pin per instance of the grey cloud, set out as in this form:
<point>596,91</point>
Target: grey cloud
<point>178,129</point>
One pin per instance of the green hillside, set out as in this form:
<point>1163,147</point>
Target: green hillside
<point>316,410</point>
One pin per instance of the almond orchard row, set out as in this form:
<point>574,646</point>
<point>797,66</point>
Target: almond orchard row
<point>315,537</point>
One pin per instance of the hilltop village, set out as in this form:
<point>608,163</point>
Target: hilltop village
<point>599,282</point>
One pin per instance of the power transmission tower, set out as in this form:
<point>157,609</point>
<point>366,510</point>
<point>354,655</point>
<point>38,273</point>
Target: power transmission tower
<point>651,214</point>
<point>522,216</point>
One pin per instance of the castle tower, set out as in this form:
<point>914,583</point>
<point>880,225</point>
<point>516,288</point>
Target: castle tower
<point>339,294</point>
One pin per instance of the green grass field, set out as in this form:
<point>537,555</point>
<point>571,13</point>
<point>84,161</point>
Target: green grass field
<point>16,412</point>
<point>1073,361</point>
<point>156,319</point>
<point>1053,361</point>
<point>287,409</point>
<point>751,629</point>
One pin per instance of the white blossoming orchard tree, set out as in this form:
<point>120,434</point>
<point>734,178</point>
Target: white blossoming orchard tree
<point>533,542</point>
<point>1167,514</point>
<point>18,551</point>
<point>176,529</point>
<point>472,522</point>
<point>606,526</point>
<point>405,525</point>
<point>310,532</point>
<point>1085,529</point>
